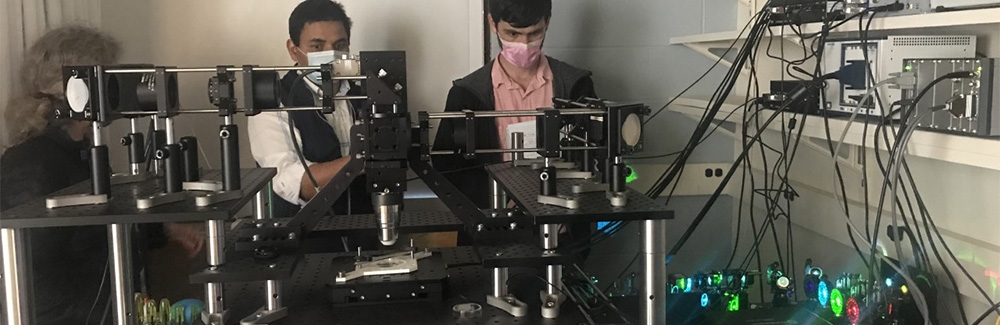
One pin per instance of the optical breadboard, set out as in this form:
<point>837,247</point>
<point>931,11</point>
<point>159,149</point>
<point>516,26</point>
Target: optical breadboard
<point>885,59</point>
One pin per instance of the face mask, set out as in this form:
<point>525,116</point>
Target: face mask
<point>323,57</point>
<point>521,54</point>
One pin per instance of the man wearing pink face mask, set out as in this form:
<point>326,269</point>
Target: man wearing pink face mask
<point>520,78</point>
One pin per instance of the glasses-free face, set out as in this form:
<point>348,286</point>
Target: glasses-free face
<point>509,33</point>
<point>319,36</point>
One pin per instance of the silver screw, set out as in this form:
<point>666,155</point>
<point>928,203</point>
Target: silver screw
<point>362,297</point>
<point>421,287</point>
<point>499,253</point>
<point>352,290</point>
<point>291,236</point>
<point>387,296</point>
<point>272,265</point>
<point>479,227</point>
<point>513,225</point>
<point>413,294</point>
<point>510,213</point>
<point>550,304</point>
<point>256,237</point>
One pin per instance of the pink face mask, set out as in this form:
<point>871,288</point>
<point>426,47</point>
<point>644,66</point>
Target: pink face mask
<point>521,54</point>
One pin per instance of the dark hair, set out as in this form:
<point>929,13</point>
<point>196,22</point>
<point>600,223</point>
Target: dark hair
<point>520,13</point>
<point>311,11</point>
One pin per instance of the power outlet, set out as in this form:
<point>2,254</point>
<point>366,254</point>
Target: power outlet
<point>702,179</point>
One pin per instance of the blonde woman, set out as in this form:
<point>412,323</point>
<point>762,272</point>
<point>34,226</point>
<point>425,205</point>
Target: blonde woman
<point>69,263</point>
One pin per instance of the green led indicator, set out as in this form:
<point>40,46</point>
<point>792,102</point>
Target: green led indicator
<point>907,68</point>
<point>632,175</point>
<point>734,302</point>
<point>717,279</point>
<point>836,302</point>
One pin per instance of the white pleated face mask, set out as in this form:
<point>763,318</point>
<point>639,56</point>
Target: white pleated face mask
<point>323,57</point>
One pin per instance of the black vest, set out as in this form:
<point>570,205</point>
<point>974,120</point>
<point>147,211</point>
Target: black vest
<point>319,144</point>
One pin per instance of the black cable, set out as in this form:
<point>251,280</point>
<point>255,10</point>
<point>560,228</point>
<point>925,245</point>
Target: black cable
<point>709,134</point>
<point>512,276</point>
<point>718,97</point>
<point>100,288</point>
<point>701,214</point>
<point>463,169</point>
<point>937,232</point>
<point>987,313</point>
<point>291,133</point>
<point>703,75</point>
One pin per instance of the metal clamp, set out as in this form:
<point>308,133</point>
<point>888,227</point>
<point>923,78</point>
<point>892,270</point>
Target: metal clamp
<point>589,187</point>
<point>159,199</point>
<point>208,186</point>
<point>617,199</point>
<point>398,263</point>
<point>270,312</point>
<point>126,178</point>
<point>573,174</point>
<point>214,319</point>
<point>571,203</point>
<point>539,164</point>
<point>550,304</point>
<point>75,200</point>
<point>216,197</point>
<point>508,304</point>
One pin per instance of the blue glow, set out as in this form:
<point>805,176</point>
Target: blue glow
<point>704,300</point>
<point>602,224</point>
<point>888,282</point>
<point>822,293</point>
<point>689,285</point>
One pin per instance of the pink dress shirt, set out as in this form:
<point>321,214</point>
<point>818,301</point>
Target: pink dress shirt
<point>509,96</point>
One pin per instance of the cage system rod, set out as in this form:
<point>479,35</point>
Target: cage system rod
<point>216,110</point>
<point>564,111</point>
<point>230,69</point>
<point>449,152</point>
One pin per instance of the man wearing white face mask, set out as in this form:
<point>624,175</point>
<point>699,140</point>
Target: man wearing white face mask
<point>520,78</point>
<point>319,31</point>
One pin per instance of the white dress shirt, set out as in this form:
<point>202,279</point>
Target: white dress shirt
<point>272,146</point>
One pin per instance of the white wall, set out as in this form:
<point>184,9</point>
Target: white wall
<point>437,36</point>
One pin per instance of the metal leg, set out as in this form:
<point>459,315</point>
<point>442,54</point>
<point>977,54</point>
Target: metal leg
<point>120,244</point>
<point>501,298</point>
<point>262,203</point>
<point>16,277</point>
<point>215,311</point>
<point>272,310</point>
<point>652,310</point>
<point>552,297</point>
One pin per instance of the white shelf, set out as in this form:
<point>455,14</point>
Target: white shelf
<point>979,152</point>
<point>930,20</point>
